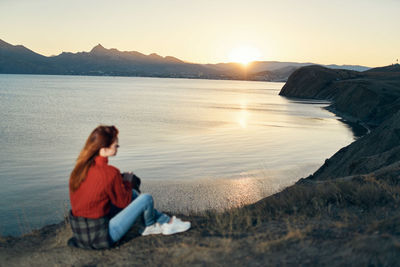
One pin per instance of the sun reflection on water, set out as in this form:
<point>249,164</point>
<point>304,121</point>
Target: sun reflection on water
<point>243,115</point>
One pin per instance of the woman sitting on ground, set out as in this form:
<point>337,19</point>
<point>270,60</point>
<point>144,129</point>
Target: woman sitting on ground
<point>96,187</point>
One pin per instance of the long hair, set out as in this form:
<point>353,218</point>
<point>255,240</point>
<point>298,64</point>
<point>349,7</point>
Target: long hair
<point>102,136</point>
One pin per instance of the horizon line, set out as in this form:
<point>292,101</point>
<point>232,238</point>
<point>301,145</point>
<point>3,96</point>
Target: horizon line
<point>189,62</point>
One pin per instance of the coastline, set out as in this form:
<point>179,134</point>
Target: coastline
<point>358,127</point>
<point>346,213</point>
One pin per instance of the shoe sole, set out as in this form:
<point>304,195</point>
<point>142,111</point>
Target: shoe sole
<point>180,231</point>
<point>157,233</point>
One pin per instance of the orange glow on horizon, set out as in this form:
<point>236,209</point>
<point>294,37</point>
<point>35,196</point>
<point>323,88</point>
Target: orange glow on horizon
<point>244,54</point>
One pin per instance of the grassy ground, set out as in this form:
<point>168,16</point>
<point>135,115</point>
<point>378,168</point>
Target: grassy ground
<point>348,221</point>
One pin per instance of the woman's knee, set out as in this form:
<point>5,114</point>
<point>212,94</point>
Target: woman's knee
<point>147,198</point>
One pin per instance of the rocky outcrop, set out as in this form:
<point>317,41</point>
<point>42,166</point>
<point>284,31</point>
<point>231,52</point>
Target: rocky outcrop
<point>371,97</point>
<point>376,150</point>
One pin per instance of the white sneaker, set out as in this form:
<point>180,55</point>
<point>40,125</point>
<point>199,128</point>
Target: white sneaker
<point>176,226</point>
<point>153,229</point>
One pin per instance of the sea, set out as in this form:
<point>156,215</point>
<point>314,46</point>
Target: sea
<point>195,144</point>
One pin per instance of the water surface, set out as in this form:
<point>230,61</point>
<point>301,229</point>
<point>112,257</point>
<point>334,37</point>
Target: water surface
<point>196,144</point>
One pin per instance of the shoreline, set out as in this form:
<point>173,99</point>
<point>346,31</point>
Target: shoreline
<point>358,127</point>
<point>156,77</point>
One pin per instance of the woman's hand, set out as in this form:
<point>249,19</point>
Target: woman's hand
<point>127,176</point>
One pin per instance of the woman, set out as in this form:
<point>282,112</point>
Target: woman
<point>95,187</point>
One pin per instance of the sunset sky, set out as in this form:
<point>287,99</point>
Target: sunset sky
<point>362,32</point>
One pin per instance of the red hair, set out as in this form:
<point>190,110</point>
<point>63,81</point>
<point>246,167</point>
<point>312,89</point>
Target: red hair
<point>102,136</point>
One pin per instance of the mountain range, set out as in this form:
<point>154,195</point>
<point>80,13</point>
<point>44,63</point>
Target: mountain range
<point>17,59</point>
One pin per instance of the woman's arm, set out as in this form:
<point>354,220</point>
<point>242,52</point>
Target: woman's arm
<point>120,192</point>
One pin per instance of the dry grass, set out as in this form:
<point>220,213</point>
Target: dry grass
<point>293,234</point>
<point>335,199</point>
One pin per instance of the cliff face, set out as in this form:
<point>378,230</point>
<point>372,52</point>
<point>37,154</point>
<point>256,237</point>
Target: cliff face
<point>371,97</point>
<point>378,149</point>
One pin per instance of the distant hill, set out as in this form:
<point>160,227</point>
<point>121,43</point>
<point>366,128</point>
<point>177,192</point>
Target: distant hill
<point>99,61</point>
<point>348,67</point>
<point>278,75</point>
<point>17,59</point>
<point>392,69</point>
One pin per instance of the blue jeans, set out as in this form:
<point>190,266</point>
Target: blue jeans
<point>141,204</point>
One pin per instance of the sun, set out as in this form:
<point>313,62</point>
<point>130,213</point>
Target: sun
<point>244,54</point>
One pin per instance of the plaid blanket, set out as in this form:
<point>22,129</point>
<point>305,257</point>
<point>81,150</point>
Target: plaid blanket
<point>90,233</point>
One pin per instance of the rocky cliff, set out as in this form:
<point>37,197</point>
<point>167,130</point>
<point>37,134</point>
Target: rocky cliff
<point>371,97</point>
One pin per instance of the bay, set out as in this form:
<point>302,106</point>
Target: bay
<point>196,144</point>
